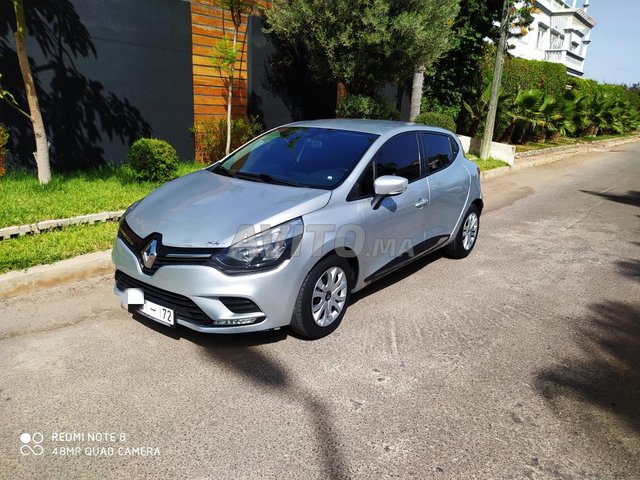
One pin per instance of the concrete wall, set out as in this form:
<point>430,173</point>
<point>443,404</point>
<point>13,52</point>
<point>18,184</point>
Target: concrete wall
<point>500,151</point>
<point>107,72</point>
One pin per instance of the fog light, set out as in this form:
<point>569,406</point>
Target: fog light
<point>236,321</point>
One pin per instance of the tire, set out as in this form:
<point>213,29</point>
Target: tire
<point>464,242</point>
<point>316,293</point>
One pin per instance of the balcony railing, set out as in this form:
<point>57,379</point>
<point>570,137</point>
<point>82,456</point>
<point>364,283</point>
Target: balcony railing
<point>554,56</point>
<point>566,57</point>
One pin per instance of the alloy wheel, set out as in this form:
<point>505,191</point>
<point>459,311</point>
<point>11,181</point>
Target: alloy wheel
<point>470,231</point>
<point>329,296</point>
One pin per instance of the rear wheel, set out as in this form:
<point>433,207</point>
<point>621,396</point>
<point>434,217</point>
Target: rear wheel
<point>323,298</point>
<point>467,234</point>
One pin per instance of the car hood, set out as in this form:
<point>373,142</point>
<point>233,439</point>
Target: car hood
<point>204,209</point>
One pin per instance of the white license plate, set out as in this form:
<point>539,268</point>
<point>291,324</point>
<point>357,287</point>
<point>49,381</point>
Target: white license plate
<point>158,312</point>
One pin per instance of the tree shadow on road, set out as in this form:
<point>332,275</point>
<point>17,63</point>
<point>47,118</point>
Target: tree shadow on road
<point>608,374</point>
<point>241,354</point>
<point>259,368</point>
<point>630,268</point>
<point>632,197</point>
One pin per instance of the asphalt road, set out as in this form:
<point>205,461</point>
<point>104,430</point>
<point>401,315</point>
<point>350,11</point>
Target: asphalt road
<point>521,361</point>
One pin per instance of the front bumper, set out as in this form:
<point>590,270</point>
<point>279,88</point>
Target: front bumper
<point>194,292</point>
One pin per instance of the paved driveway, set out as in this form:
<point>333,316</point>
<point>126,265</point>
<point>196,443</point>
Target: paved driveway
<point>521,361</point>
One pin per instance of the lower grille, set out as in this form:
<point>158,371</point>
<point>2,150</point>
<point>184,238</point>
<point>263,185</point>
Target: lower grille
<point>183,307</point>
<point>239,305</point>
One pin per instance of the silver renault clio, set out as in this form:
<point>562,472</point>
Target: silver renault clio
<point>284,229</point>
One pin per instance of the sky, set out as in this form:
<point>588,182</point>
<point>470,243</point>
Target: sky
<point>614,53</point>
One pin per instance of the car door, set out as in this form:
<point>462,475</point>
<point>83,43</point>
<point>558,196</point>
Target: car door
<point>449,183</point>
<point>394,230</point>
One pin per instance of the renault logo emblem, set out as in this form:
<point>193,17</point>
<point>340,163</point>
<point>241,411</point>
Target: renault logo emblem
<point>150,253</point>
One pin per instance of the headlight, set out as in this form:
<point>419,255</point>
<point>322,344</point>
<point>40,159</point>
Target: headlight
<point>262,251</point>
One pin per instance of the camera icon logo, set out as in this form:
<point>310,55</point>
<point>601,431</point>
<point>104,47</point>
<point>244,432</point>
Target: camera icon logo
<point>31,443</point>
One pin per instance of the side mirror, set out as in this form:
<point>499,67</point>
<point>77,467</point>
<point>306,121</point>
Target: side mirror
<point>388,186</point>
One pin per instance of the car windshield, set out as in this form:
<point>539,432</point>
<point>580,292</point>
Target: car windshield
<point>299,156</point>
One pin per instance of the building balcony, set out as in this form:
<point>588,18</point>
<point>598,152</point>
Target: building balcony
<point>573,61</point>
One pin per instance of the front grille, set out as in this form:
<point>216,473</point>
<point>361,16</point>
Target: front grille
<point>183,307</point>
<point>178,260</point>
<point>239,305</point>
<point>166,255</point>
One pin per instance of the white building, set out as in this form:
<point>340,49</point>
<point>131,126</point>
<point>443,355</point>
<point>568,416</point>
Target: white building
<point>560,33</point>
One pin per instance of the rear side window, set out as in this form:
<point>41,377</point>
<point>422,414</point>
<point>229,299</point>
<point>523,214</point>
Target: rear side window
<point>437,151</point>
<point>455,149</point>
<point>399,156</point>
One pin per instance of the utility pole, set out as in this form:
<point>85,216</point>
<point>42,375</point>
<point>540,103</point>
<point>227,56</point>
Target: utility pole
<point>485,148</point>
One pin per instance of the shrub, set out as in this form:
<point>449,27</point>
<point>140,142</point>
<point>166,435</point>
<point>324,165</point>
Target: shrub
<point>4,140</point>
<point>153,160</point>
<point>211,136</point>
<point>436,119</point>
<point>430,103</point>
<point>361,106</point>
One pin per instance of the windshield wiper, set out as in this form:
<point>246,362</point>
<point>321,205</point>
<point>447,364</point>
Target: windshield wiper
<point>266,178</point>
<point>224,171</point>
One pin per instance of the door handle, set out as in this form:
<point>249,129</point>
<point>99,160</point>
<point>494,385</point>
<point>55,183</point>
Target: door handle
<point>423,202</point>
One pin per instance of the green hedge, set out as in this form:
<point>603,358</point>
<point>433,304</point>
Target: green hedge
<point>525,74</point>
<point>437,119</point>
<point>585,86</point>
<point>549,77</point>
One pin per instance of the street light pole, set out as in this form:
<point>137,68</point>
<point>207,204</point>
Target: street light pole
<point>485,148</point>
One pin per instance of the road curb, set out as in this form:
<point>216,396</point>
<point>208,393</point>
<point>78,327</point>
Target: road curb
<point>7,233</point>
<point>554,154</point>
<point>43,276</point>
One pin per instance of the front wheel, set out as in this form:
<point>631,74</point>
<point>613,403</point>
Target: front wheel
<point>323,298</point>
<point>467,235</point>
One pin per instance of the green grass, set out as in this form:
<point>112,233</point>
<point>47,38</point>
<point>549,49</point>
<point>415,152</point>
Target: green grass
<point>30,250</point>
<point>486,164</point>
<point>106,188</point>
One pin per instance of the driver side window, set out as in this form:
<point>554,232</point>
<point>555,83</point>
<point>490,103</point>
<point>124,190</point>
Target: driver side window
<point>399,156</point>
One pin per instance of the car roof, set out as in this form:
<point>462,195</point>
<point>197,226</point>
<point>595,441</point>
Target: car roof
<point>378,127</point>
